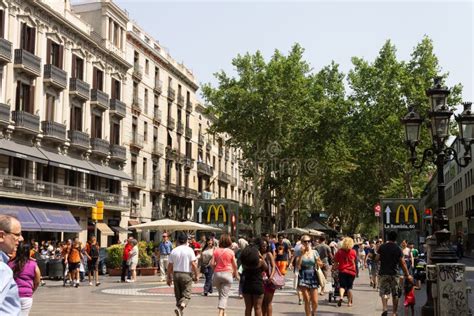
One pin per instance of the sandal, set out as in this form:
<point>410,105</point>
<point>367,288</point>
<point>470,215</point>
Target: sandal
<point>339,303</point>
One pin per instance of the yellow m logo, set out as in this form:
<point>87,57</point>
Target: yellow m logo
<point>216,213</point>
<point>406,213</point>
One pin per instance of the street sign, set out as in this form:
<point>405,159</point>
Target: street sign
<point>200,211</point>
<point>387,212</point>
<point>377,210</point>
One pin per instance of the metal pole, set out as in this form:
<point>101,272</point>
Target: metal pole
<point>95,229</point>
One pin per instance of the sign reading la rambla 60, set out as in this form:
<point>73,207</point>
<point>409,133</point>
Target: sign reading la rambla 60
<point>401,213</point>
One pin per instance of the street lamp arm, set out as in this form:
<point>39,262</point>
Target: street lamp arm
<point>451,154</point>
<point>429,155</point>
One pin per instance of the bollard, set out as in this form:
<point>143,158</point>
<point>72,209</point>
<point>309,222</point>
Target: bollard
<point>451,290</point>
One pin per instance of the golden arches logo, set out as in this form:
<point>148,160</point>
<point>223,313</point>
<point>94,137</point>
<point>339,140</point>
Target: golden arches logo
<point>406,213</point>
<point>216,213</point>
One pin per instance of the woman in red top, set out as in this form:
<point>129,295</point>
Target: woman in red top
<point>345,263</point>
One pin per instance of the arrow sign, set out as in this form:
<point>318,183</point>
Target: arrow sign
<point>388,211</point>
<point>200,211</point>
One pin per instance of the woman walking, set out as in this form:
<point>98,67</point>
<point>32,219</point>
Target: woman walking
<point>308,281</point>
<point>225,269</point>
<point>345,262</point>
<point>206,269</point>
<point>27,276</point>
<point>269,289</point>
<point>253,265</point>
<point>132,261</point>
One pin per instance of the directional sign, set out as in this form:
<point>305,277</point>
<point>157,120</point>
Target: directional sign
<point>387,213</point>
<point>200,211</point>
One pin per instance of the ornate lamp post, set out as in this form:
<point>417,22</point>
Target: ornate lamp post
<point>439,154</point>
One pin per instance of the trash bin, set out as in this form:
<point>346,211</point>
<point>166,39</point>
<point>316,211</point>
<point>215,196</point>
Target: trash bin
<point>55,269</point>
<point>43,266</point>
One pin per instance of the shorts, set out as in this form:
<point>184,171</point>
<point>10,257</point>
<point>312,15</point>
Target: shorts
<point>73,266</point>
<point>346,281</point>
<point>93,264</point>
<point>389,284</point>
<point>133,266</point>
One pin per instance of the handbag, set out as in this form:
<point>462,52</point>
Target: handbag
<point>320,276</point>
<point>278,280</point>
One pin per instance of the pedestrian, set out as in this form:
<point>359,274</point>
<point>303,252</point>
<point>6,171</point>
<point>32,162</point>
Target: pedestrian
<point>194,245</point>
<point>269,289</point>
<point>307,279</point>
<point>132,261</point>
<point>408,257</point>
<point>205,265</point>
<point>390,257</point>
<point>73,258</point>
<point>326,257</point>
<point>126,251</point>
<point>282,257</point>
<point>92,253</point>
<point>181,266</point>
<point>294,260</point>
<point>27,276</point>
<point>371,264</point>
<point>10,237</point>
<point>165,249</point>
<point>253,266</point>
<point>64,251</point>
<point>345,262</point>
<point>225,270</point>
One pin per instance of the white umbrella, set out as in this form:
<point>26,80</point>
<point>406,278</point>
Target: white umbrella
<point>295,231</point>
<point>196,226</point>
<point>314,232</point>
<point>172,225</point>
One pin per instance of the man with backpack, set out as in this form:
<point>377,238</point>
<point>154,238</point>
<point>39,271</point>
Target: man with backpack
<point>92,253</point>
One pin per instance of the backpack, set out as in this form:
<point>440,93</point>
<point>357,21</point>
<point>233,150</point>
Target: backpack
<point>93,251</point>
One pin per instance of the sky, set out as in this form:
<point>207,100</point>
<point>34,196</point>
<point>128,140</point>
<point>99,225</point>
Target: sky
<point>207,35</point>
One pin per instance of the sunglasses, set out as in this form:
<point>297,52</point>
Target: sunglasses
<point>306,240</point>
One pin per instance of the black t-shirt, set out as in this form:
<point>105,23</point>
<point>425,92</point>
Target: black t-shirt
<point>390,255</point>
<point>281,252</point>
<point>324,252</point>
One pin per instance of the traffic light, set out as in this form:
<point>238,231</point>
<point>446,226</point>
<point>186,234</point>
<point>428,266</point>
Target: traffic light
<point>428,213</point>
<point>100,210</point>
<point>94,213</point>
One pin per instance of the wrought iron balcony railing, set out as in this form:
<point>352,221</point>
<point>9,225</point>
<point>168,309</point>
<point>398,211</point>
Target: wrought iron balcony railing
<point>53,130</point>
<point>79,89</point>
<point>27,62</point>
<point>26,122</point>
<point>55,76</point>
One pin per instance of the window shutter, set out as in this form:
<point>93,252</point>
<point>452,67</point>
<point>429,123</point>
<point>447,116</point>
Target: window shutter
<point>31,107</point>
<point>73,69</point>
<point>113,96</point>
<point>48,51</point>
<point>17,98</point>
<point>32,40</point>
<point>94,79</point>
<point>2,24</point>
<point>61,51</point>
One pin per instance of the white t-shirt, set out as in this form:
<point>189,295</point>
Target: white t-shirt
<point>181,258</point>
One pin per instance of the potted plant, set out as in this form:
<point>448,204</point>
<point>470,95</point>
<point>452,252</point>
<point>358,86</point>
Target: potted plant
<point>114,260</point>
<point>145,265</point>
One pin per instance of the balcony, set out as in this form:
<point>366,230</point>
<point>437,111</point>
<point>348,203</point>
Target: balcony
<point>233,181</point>
<point>180,191</point>
<point>100,99</point>
<point>118,108</point>
<point>55,77</point>
<point>157,116</point>
<point>188,133</point>
<point>171,188</point>
<point>158,149</point>
<point>157,185</point>
<point>180,129</point>
<point>135,210</point>
<point>4,114</point>
<point>27,62</point>
<point>158,88</point>
<point>221,151</point>
<point>26,122</point>
<point>204,169</point>
<point>79,89</point>
<point>200,139</point>
<point>189,106</point>
<point>5,51</point>
<point>188,163</point>
<point>171,123</point>
<point>118,152</point>
<point>224,177</point>
<point>171,94</point>
<point>137,181</point>
<point>100,146</point>
<point>53,131</point>
<point>191,193</point>
<point>156,212</point>
<point>137,104</point>
<point>137,72</point>
<point>29,189</point>
<point>180,100</point>
<point>208,146</point>
<point>137,141</point>
<point>171,154</point>
<point>79,139</point>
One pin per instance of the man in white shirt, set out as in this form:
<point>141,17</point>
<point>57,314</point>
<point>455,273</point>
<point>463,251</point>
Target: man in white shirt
<point>181,263</point>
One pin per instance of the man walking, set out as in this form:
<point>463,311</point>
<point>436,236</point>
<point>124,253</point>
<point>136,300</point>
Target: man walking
<point>326,257</point>
<point>10,237</point>
<point>182,262</point>
<point>390,256</point>
<point>165,249</point>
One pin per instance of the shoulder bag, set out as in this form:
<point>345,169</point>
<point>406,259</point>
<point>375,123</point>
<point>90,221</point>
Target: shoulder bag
<point>319,274</point>
<point>278,280</point>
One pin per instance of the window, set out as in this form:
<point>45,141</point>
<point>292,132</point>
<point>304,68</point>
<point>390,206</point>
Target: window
<point>28,38</point>
<point>54,54</point>
<point>116,86</point>
<point>76,118</point>
<point>157,74</point>
<point>50,101</point>
<point>147,66</point>
<point>169,140</point>
<point>145,167</point>
<point>25,95</point>
<point>135,91</point>
<point>189,149</point>
<point>155,101</point>
<point>96,125</point>
<point>77,70</point>
<point>144,200</point>
<point>116,35</point>
<point>115,133</point>
<point>145,132</point>
<point>2,24</point>
<point>98,79</point>
<point>145,96</point>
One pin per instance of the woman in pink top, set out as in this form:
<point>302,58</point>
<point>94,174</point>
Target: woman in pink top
<point>27,276</point>
<point>225,269</point>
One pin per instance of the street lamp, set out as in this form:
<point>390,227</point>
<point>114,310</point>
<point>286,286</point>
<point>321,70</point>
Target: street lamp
<point>439,154</point>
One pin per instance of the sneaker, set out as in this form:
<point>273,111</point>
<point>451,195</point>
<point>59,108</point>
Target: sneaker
<point>90,283</point>
<point>178,312</point>
<point>76,285</point>
<point>300,302</point>
<point>128,280</point>
<point>97,284</point>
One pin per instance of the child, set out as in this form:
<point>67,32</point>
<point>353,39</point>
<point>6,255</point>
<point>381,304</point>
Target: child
<point>409,297</point>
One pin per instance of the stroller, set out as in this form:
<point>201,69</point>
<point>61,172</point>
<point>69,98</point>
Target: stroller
<point>334,294</point>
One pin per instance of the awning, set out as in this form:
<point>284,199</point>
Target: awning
<point>11,148</point>
<point>21,212</point>
<point>67,162</point>
<point>110,173</point>
<point>133,222</point>
<point>119,229</point>
<point>104,229</point>
<point>54,220</point>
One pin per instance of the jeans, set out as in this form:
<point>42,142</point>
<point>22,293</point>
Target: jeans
<point>208,272</point>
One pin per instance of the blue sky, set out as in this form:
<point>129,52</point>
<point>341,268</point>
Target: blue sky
<point>206,35</point>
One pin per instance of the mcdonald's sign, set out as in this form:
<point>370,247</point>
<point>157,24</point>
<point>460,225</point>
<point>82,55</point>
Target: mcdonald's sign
<point>216,210</point>
<point>406,213</point>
